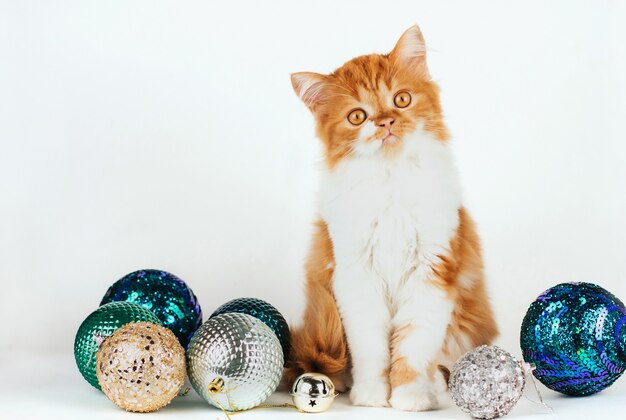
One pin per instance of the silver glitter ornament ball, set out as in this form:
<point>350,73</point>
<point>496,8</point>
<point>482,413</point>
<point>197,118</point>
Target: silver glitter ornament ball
<point>487,382</point>
<point>313,392</point>
<point>234,361</point>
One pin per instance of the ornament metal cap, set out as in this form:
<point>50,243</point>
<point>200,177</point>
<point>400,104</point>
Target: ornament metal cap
<point>313,392</point>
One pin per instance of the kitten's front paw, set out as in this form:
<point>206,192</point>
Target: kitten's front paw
<point>415,396</point>
<point>370,393</point>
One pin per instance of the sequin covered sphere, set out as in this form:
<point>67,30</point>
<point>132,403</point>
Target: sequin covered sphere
<point>234,361</point>
<point>487,382</point>
<point>99,325</point>
<point>164,294</point>
<point>575,335</point>
<point>264,311</point>
<point>141,367</point>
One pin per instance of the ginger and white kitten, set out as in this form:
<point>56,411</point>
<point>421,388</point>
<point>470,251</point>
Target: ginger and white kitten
<point>395,288</point>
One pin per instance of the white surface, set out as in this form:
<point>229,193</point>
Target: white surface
<point>139,134</point>
<point>48,387</point>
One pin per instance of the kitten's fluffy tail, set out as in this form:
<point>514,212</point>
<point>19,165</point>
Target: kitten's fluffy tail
<point>319,344</point>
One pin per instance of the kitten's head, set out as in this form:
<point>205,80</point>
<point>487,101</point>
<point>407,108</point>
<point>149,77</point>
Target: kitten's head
<point>373,103</point>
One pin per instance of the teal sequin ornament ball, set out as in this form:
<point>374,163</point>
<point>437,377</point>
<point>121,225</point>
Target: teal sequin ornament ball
<point>263,311</point>
<point>575,334</point>
<point>99,325</point>
<point>167,296</point>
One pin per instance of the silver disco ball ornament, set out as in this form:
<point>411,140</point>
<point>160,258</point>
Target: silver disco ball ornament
<point>487,382</point>
<point>234,361</point>
<point>313,392</point>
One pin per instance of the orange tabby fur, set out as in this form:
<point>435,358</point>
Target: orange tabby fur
<point>322,347</point>
<point>319,345</point>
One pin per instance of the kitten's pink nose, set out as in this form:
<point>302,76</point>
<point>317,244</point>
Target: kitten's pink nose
<point>385,122</point>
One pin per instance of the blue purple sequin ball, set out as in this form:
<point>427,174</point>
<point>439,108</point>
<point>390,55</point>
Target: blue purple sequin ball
<point>575,334</point>
<point>167,296</point>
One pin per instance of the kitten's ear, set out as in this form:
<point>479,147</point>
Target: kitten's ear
<point>410,51</point>
<point>310,87</point>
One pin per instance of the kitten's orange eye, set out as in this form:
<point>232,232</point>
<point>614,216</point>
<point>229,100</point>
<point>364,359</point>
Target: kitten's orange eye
<point>402,99</point>
<point>357,116</point>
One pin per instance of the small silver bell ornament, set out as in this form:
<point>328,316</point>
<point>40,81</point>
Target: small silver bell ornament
<point>313,392</point>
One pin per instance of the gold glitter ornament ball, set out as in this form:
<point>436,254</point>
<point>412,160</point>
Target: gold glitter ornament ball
<point>141,367</point>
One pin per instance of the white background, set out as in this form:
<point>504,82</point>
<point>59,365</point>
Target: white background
<point>150,134</point>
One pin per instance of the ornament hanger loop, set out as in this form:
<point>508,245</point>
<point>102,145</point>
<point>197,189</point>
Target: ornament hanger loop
<point>528,369</point>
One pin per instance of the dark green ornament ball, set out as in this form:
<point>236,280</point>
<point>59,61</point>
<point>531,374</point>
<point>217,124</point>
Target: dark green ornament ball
<point>99,325</point>
<point>575,334</point>
<point>263,311</point>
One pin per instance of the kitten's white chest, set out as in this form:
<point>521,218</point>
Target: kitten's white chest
<point>390,216</point>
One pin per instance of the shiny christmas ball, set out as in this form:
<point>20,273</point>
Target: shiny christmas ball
<point>141,367</point>
<point>171,300</point>
<point>313,392</point>
<point>264,311</point>
<point>574,334</point>
<point>234,361</point>
<point>487,382</point>
<point>99,325</point>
